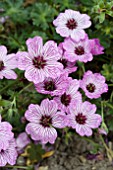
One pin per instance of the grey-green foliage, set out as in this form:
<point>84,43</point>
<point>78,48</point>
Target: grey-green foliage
<point>108,72</point>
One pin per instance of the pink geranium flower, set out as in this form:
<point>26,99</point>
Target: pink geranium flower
<point>83,118</point>
<point>43,119</point>
<point>22,140</point>
<point>69,98</point>
<point>7,63</point>
<point>72,23</point>
<point>40,61</point>
<point>55,86</point>
<point>93,84</point>
<point>6,134</point>
<point>97,49</point>
<point>80,51</point>
<point>102,131</point>
<point>69,67</point>
<point>8,155</point>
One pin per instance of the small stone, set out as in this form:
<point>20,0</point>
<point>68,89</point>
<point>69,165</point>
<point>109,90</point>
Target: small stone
<point>82,159</point>
<point>43,168</point>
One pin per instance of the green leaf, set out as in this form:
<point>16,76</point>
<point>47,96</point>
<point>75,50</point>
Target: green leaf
<point>102,17</point>
<point>110,13</point>
<point>42,14</point>
<point>5,103</point>
<point>101,4</point>
<point>87,2</point>
<point>35,152</point>
<point>108,72</point>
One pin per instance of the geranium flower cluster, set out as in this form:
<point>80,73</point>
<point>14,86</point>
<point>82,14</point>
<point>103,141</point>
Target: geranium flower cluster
<point>49,66</point>
<point>8,153</point>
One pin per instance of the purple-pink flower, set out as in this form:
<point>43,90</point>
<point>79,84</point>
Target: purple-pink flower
<point>97,49</point>
<point>78,51</point>
<point>69,98</point>
<point>72,24</point>
<point>7,63</point>
<point>40,61</point>
<point>6,134</point>
<point>54,87</point>
<point>22,140</point>
<point>8,155</point>
<point>93,84</point>
<point>102,131</point>
<point>83,119</point>
<point>43,119</point>
<point>69,67</point>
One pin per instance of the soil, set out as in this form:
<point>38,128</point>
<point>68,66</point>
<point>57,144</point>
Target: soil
<point>74,156</point>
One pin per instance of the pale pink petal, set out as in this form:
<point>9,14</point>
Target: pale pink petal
<point>34,74</point>
<point>49,107</point>
<point>22,140</point>
<point>24,60</point>
<point>33,114</point>
<point>49,135</point>
<point>1,76</point>
<point>10,61</point>
<point>35,130</point>
<point>84,21</point>
<point>83,130</point>
<point>94,121</point>
<point>9,74</point>
<point>50,51</point>
<point>88,108</point>
<point>3,52</point>
<point>69,45</point>
<point>35,46</point>
<point>78,34</point>
<point>63,31</point>
<point>60,120</point>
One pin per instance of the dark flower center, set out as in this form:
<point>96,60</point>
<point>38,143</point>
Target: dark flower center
<point>71,24</point>
<point>91,87</point>
<point>46,121</point>
<point>80,118</point>
<point>39,62</point>
<point>65,99</point>
<point>1,65</point>
<point>2,151</point>
<point>49,86</point>
<point>79,50</point>
<point>64,62</point>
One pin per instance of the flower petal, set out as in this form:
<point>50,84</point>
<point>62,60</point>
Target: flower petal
<point>35,46</point>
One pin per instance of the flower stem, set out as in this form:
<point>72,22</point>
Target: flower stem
<point>3,89</point>
<point>89,140</point>
<point>102,111</point>
<point>25,88</point>
<point>108,150</point>
<point>19,167</point>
